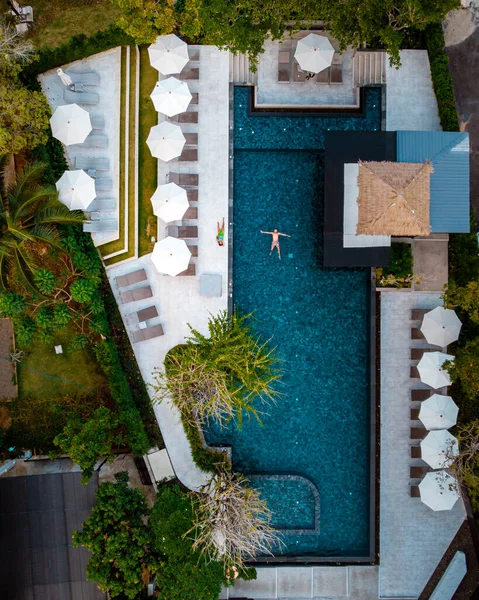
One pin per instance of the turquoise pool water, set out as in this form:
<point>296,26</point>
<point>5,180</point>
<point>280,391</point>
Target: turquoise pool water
<point>318,321</point>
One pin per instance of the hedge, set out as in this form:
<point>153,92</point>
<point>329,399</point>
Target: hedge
<point>441,79</point>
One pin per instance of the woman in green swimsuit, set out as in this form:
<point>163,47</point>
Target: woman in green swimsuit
<point>220,237</point>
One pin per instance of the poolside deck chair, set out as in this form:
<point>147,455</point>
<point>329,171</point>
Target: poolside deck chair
<point>189,155</point>
<point>99,164</point>
<point>147,313</point>
<point>284,66</point>
<point>192,195</point>
<point>190,271</point>
<point>184,179</point>
<point>191,214</point>
<point>195,98</point>
<point>193,250</point>
<point>417,334</point>
<point>81,97</point>
<point>141,293</point>
<point>95,140</point>
<point>414,414</point>
<point>420,395</point>
<point>148,333</point>
<point>417,314</point>
<point>182,231</point>
<point>97,121</point>
<point>418,472</point>
<point>414,373</point>
<point>194,55</point>
<point>416,452</point>
<point>191,74</point>
<point>102,204</point>
<point>85,78</point>
<point>418,433</point>
<point>101,225</point>
<point>131,278</point>
<point>299,76</point>
<point>414,491</point>
<point>185,117</point>
<point>337,68</point>
<point>103,184</point>
<point>417,353</point>
<point>324,76</point>
<point>191,139</point>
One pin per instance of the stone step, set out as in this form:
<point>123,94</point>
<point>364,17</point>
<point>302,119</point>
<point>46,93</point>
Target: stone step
<point>369,68</point>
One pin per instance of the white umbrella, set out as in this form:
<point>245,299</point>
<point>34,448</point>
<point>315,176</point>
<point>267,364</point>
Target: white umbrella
<point>70,124</point>
<point>314,53</point>
<point>76,189</point>
<point>439,448</point>
<point>168,54</point>
<point>166,141</point>
<point>438,412</point>
<point>441,326</point>
<point>431,371</point>
<point>66,79</point>
<point>171,96</point>
<point>439,490</point>
<point>170,202</point>
<point>171,256</point>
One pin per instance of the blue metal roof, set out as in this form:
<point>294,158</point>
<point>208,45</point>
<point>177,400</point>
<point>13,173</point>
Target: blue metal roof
<point>449,155</point>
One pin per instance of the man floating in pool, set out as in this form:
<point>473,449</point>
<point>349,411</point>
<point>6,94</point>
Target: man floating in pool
<point>275,241</point>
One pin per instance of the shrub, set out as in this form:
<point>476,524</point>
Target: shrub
<point>12,304</point>
<point>401,267</point>
<point>45,281</point>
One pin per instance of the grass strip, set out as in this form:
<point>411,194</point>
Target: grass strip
<point>147,164</point>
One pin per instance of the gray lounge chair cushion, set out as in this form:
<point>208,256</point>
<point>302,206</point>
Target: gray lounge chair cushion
<point>102,204</point>
<point>141,293</point>
<point>103,184</point>
<point>192,195</point>
<point>96,140</point>
<point>147,313</point>
<point>86,78</point>
<point>81,97</point>
<point>101,225</point>
<point>191,213</point>
<point>99,164</point>
<point>191,139</point>
<point>189,155</point>
<point>148,333</point>
<point>131,278</point>
<point>97,121</point>
<point>190,75</point>
<point>210,285</point>
<point>183,231</point>
<point>190,271</point>
<point>186,117</point>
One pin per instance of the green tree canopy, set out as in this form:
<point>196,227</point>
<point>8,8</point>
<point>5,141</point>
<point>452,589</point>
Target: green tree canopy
<point>145,20</point>
<point>464,297</point>
<point>118,538</point>
<point>465,368</point>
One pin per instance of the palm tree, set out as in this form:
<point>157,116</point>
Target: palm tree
<point>30,213</point>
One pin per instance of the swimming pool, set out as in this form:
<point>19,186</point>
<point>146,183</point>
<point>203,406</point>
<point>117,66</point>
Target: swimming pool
<point>310,456</point>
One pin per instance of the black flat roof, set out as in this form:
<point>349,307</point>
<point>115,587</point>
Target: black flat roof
<point>348,147</point>
<point>37,517</point>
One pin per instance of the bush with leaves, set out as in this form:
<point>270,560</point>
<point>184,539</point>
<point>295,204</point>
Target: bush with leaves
<point>145,20</point>
<point>12,304</point>
<point>44,280</point>
<point>116,535</point>
<point>464,297</point>
<point>465,368</point>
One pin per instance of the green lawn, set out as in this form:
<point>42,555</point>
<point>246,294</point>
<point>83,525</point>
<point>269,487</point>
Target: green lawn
<point>147,164</point>
<point>55,21</point>
<point>79,367</point>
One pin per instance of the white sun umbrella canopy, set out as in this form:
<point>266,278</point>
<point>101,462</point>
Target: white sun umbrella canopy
<point>170,202</point>
<point>171,96</point>
<point>166,141</point>
<point>431,371</point>
<point>314,53</point>
<point>168,54</point>
<point>439,448</point>
<point>70,124</point>
<point>65,79</point>
<point>171,256</point>
<point>439,490</point>
<point>438,412</point>
<point>76,189</point>
<point>441,326</point>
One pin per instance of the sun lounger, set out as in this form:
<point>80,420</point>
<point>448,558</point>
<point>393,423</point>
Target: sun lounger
<point>420,395</point>
<point>190,74</point>
<point>194,55</point>
<point>418,433</point>
<point>148,333</point>
<point>192,195</point>
<point>190,271</point>
<point>417,334</point>
<point>141,293</point>
<point>299,76</point>
<point>417,353</point>
<point>193,250</point>
<point>96,140</point>
<point>416,452</point>
<point>324,76</point>
<point>185,117</point>
<point>336,75</point>
<point>101,225</point>
<point>86,78</point>
<point>191,139</point>
<point>103,184</point>
<point>414,491</point>
<point>191,214</point>
<point>189,155</point>
<point>147,313</point>
<point>102,204</point>
<point>284,67</point>
<point>184,179</point>
<point>414,414</point>
<point>99,164</point>
<point>182,231</point>
<point>417,314</point>
<point>195,98</point>
<point>414,373</point>
<point>81,97</point>
<point>97,121</point>
<point>418,472</point>
<point>131,278</point>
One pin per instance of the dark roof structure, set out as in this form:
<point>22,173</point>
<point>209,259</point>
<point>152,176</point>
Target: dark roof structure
<point>37,517</point>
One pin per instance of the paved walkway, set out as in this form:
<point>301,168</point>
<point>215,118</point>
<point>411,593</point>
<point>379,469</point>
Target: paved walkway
<point>177,299</point>
<point>410,100</point>
<point>413,538</point>
<point>430,258</point>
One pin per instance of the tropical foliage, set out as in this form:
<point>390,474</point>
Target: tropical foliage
<point>144,20</point>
